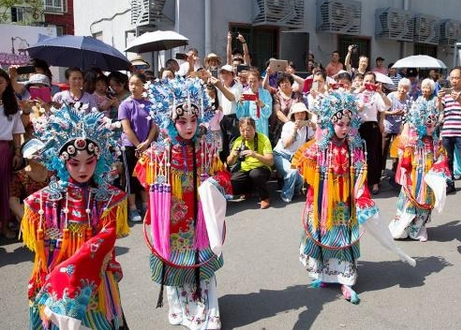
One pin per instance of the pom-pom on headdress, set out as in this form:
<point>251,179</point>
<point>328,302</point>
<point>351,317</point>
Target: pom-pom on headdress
<point>332,108</point>
<point>67,130</point>
<point>178,97</point>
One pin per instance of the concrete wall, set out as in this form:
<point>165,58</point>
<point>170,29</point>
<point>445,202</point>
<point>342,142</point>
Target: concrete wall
<point>190,21</point>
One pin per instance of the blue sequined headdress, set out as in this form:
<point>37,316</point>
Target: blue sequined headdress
<point>421,113</point>
<point>330,109</point>
<point>178,97</point>
<point>67,130</point>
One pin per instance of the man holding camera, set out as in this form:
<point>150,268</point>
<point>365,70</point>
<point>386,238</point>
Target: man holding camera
<point>252,153</point>
<point>190,64</point>
<point>229,91</point>
<point>363,62</point>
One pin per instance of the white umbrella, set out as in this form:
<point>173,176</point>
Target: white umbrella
<point>382,78</point>
<point>157,41</point>
<point>419,61</point>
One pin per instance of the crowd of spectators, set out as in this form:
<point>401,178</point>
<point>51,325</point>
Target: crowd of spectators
<point>263,117</point>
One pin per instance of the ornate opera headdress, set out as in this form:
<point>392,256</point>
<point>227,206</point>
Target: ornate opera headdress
<point>332,108</point>
<point>421,113</point>
<point>67,130</point>
<point>178,97</point>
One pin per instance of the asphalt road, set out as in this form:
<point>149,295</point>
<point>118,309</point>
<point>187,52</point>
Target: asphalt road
<point>263,286</point>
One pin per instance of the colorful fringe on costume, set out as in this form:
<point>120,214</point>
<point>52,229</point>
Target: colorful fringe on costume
<point>75,276</point>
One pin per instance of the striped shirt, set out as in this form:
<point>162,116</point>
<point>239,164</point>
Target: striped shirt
<point>451,117</point>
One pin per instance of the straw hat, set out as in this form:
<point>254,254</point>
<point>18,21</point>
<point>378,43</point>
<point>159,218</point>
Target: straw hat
<point>212,56</point>
<point>139,61</point>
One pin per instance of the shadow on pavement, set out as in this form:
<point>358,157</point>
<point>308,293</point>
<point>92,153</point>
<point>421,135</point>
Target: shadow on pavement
<point>445,232</point>
<point>19,255</point>
<point>374,276</point>
<point>240,310</point>
<point>253,201</point>
<point>119,250</point>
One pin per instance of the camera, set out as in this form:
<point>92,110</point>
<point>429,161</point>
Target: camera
<point>110,93</point>
<point>181,56</point>
<point>242,67</point>
<point>240,149</point>
<point>354,47</point>
<point>25,70</point>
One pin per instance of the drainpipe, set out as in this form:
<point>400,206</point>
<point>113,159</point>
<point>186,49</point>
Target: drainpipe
<point>403,44</point>
<point>207,27</point>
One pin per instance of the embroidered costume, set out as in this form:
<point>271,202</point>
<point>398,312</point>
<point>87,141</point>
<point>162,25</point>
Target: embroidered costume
<point>338,200</point>
<point>72,227</point>
<point>422,171</point>
<point>187,206</point>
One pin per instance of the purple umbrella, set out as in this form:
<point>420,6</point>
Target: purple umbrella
<point>79,51</point>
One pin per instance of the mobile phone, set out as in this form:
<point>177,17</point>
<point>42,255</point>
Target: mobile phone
<point>181,56</point>
<point>336,86</point>
<point>196,74</point>
<point>447,90</point>
<point>242,67</point>
<point>304,123</point>
<point>42,93</point>
<point>25,70</point>
<point>371,87</point>
<point>315,86</point>
<point>444,83</point>
<point>249,97</point>
<point>308,84</point>
<point>278,65</point>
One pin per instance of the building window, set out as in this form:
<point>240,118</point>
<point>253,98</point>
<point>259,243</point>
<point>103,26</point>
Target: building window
<point>425,49</point>
<point>60,30</point>
<point>56,6</point>
<point>17,14</point>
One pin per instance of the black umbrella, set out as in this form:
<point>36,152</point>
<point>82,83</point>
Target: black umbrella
<point>157,41</point>
<point>79,51</point>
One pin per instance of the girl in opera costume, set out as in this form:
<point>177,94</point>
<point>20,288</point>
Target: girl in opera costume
<point>338,202</point>
<point>187,186</point>
<point>422,171</point>
<point>72,224</point>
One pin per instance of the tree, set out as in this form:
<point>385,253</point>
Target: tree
<point>34,9</point>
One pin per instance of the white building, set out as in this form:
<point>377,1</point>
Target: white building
<point>283,28</point>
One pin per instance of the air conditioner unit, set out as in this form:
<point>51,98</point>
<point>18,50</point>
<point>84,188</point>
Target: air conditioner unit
<point>395,24</point>
<point>148,13</point>
<point>339,16</point>
<point>289,13</point>
<point>427,29</point>
<point>450,32</point>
